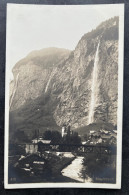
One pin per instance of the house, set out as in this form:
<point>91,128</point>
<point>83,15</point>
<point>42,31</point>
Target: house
<point>115,131</point>
<point>105,131</point>
<point>38,166</point>
<point>105,137</point>
<point>31,148</point>
<point>92,132</point>
<point>32,163</point>
<point>96,134</point>
<point>112,140</point>
<point>99,141</point>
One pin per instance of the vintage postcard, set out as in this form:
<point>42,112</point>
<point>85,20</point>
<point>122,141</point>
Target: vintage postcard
<point>64,96</point>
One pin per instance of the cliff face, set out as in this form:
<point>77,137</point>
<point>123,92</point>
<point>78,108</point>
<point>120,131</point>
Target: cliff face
<point>33,73</point>
<point>57,87</point>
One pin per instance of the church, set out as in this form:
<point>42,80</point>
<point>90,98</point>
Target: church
<point>66,130</point>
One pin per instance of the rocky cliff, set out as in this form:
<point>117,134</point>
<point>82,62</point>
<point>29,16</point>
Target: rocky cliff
<point>55,86</point>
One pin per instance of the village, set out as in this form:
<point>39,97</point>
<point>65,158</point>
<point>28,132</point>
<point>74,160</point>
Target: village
<point>104,137</point>
<point>44,159</point>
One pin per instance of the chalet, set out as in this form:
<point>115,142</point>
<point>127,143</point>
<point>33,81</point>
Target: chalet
<point>32,162</point>
<point>92,132</point>
<point>105,131</point>
<point>38,166</point>
<point>96,134</point>
<point>105,137</point>
<point>112,140</point>
<point>115,131</point>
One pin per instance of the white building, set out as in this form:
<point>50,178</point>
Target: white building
<point>31,148</point>
<point>64,131</point>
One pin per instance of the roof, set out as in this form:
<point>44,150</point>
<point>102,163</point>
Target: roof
<point>113,137</point>
<point>104,136</point>
<point>45,141</point>
<point>83,143</point>
<point>92,131</point>
<point>31,144</point>
<point>39,162</point>
<point>41,140</point>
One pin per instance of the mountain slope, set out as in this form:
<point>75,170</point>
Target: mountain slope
<point>52,92</point>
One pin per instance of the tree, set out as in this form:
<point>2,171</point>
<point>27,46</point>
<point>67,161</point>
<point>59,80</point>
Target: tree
<point>19,136</point>
<point>47,135</point>
<point>98,166</point>
<point>75,139</point>
<point>85,137</point>
<point>35,134</point>
<point>72,139</point>
<point>56,137</point>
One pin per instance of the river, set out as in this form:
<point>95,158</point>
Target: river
<point>73,170</point>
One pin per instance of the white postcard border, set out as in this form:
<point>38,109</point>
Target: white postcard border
<point>119,120</point>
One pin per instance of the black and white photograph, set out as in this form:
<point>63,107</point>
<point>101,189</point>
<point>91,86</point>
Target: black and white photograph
<point>64,96</point>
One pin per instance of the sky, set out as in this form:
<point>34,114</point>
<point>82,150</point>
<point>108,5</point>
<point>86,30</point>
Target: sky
<point>34,27</point>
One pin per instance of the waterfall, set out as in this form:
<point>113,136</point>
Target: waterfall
<point>93,87</point>
<point>52,74</point>
<point>14,90</point>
